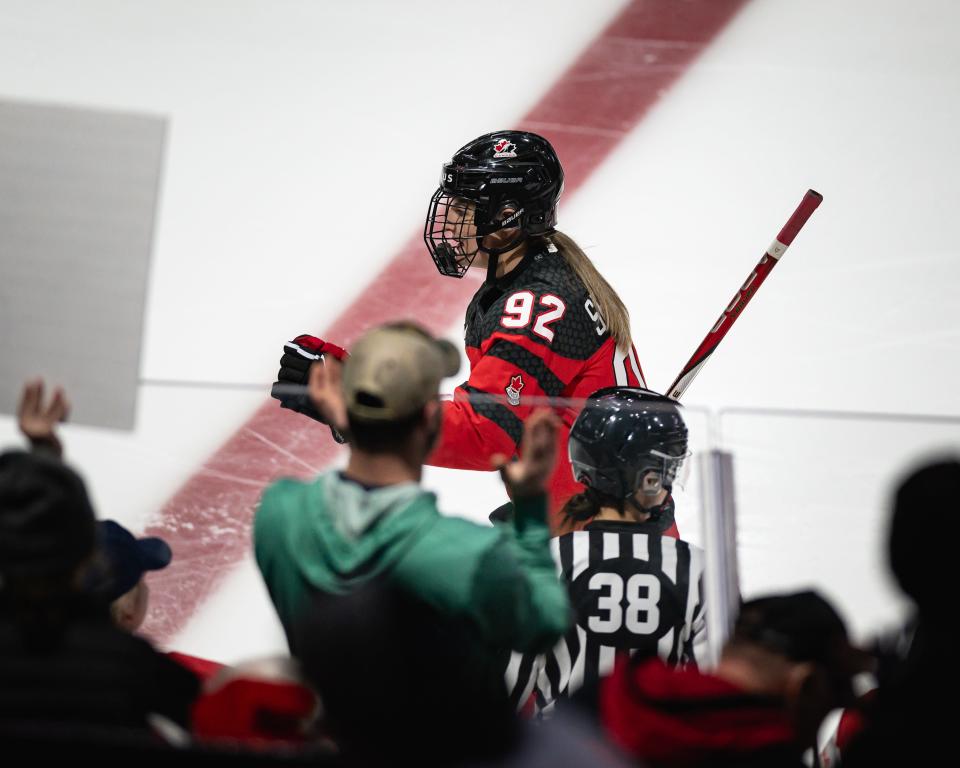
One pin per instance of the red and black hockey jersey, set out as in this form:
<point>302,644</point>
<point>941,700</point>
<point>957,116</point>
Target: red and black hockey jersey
<point>532,334</point>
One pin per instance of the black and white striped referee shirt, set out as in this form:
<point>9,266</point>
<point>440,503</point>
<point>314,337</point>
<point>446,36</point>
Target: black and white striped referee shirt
<point>632,589</point>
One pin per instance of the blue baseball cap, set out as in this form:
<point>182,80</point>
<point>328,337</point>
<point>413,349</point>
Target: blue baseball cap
<point>126,559</point>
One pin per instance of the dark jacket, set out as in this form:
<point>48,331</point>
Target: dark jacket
<point>72,665</point>
<point>906,722</point>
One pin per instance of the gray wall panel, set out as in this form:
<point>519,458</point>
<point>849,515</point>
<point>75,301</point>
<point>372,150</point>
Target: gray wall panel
<point>78,198</point>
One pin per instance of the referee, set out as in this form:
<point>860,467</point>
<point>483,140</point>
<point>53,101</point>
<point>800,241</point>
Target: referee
<point>632,588</point>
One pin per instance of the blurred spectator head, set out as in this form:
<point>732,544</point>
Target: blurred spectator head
<point>47,528</point>
<point>391,383</point>
<point>923,534</point>
<point>398,680</point>
<point>119,576</point>
<point>797,647</point>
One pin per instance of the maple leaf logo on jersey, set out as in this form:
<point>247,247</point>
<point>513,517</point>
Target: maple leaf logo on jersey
<point>504,148</point>
<point>513,389</point>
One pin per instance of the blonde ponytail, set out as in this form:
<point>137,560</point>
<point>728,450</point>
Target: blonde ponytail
<point>611,306</point>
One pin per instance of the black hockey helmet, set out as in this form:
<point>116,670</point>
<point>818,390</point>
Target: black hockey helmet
<point>623,433</point>
<point>504,170</point>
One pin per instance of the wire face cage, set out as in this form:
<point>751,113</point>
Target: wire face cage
<point>451,233</point>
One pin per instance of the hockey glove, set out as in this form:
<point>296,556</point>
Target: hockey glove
<point>294,374</point>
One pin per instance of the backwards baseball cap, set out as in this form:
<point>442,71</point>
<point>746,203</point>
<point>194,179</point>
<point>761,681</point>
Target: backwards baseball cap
<point>125,559</point>
<point>394,370</point>
<point>803,626</point>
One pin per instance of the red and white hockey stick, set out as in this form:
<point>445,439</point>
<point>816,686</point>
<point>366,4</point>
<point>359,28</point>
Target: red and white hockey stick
<point>777,248</point>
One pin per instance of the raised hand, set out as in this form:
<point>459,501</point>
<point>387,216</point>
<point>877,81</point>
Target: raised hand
<point>326,395</point>
<point>38,419</point>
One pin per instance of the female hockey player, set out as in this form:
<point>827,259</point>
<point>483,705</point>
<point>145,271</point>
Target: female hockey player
<point>545,323</point>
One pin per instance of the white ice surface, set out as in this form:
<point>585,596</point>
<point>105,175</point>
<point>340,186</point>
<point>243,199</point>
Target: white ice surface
<point>274,214</point>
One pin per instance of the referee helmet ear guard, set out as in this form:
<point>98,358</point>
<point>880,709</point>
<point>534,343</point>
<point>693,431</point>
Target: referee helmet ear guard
<point>503,180</point>
<point>621,435</point>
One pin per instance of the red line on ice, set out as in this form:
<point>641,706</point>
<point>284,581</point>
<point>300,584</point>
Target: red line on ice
<point>585,114</point>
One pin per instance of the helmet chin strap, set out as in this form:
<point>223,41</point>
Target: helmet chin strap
<point>493,254</point>
<point>661,515</point>
<point>493,261</point>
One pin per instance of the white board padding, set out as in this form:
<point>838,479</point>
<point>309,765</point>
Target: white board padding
<point>78,200</point>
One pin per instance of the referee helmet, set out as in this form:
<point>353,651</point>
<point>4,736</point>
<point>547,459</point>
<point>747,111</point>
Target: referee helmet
<point>621,435</point>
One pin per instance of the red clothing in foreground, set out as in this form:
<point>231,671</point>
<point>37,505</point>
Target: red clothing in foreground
<point>682,717</point>
<point>202,668</point>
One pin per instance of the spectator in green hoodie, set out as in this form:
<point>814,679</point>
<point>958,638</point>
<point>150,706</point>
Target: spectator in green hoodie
<point>374,522</point>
